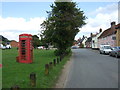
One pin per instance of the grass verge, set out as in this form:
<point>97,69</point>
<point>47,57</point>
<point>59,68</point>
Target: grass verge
<point>14,73</point>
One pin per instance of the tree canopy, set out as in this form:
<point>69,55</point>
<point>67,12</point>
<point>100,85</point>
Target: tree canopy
<point>62,25</point>
<point>36,41</point>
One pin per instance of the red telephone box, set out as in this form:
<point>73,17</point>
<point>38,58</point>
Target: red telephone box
<point>25,49</point>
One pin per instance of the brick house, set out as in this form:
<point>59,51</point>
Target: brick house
<point>108,36</point>
<point>14,43</point>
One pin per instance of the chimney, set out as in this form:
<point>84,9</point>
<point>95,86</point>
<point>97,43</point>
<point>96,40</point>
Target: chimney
<point>91,34</point>
<point>113,25</point>
<point>83,36</point>
<point>100,30</point>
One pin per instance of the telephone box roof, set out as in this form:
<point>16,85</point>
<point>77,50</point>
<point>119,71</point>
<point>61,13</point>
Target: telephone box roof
<point>25,35</point>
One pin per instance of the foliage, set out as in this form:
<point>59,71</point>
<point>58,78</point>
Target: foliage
<point>4,40</point>
<point>62,25</point>
<point>36,41</point>
<point>82,45</point>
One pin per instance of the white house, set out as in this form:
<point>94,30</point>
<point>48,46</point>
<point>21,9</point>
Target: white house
<point>83,42</point>
<point>95,39</point>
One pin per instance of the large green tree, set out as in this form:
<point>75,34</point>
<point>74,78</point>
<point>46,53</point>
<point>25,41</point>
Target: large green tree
<point>62,25</point>
<point>36,41</point>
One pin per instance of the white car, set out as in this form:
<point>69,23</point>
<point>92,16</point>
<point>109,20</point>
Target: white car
<point>8,46</point>
<point>74,47</point>
<point>2,47</point>
<point>105,49</point>
<point>40,47</point>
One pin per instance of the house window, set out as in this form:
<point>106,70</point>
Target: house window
<point>113,38</point>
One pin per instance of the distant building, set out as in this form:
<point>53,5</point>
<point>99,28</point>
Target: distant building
<point>88,42</point>
<point>81,41</point>
<point>75,43</point>
<point>14,43</point>
<point>95,39</point>
<point>108,36</point>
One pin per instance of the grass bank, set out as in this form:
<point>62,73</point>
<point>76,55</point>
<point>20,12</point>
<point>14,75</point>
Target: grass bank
<point>18,73</point>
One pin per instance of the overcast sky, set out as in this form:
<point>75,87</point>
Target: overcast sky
<point>25,17</point>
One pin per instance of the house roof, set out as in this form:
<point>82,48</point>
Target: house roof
<point>81,40</point>
<point>89,39</point>
<point>94,35</point>
<point>117,26</point>
<point>108,32</point>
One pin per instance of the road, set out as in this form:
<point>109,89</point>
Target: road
<point>89,69</point>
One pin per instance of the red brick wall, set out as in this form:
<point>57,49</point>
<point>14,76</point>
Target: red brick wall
<point>14,44</point>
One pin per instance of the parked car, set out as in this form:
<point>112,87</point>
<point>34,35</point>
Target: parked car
<point>105,49</point>
<point>2,46</point>
<point>8,46</point>
<point>40,47</point>
<point>74,47</point>
<point>115,52</point>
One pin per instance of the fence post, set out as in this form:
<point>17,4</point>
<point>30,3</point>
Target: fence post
<point>57,60</point>
<point>16,87</point>
<point>51,65</point>
<point>60,59</point>
<point>54,62</point>
<point>33,79</point>
<point>17,59</point>
<point>46,69</point>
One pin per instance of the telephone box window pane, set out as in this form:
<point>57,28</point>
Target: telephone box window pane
<point>23,43</point>
<point>23,52</point>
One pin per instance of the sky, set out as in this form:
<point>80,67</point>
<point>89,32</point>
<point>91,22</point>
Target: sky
<point>25,17</point>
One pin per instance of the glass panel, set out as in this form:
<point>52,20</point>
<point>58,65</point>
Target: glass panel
<point>23,49</point>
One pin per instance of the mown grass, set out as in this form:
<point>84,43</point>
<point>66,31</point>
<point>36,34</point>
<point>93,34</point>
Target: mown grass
<point>14,73</point>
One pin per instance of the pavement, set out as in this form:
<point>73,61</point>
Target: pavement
<point>89,69</point>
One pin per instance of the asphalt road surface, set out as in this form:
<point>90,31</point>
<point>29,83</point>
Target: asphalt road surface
<point>89,69</point>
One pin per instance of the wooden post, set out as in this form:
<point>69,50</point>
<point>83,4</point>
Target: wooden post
<point>16,87</point>
<point>60,59</point>
<point>51,65</point>
<point>46,69</point>
<point>57,60</point>
<point>33,79</point>
<point>17,59</point>
<point>54,62</point>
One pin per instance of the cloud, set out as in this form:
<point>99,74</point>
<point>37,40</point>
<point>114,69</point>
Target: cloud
<point>103,16</point>
<point>11,23</point>
<point>105,10</point>
<point>11,27</point>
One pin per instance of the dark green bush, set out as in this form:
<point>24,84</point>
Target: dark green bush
<point>62,52</point>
